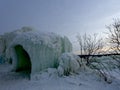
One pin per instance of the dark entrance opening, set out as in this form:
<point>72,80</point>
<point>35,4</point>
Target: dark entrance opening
<point>23,63</point>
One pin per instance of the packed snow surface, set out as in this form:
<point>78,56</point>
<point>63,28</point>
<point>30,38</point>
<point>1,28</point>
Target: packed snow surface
<point>49,80</point>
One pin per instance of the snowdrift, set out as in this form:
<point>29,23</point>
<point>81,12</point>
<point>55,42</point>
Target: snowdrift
<point>34,51</point>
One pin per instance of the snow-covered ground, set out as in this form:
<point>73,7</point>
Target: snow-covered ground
<point>49,80</point>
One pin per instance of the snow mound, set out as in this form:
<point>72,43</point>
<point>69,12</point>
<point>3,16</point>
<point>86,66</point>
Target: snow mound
<point>68,64</point>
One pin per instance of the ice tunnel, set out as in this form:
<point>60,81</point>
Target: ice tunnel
<point>24,63</point>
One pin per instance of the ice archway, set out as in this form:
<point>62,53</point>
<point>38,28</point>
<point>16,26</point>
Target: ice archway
<point>24,63</point>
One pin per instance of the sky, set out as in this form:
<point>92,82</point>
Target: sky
<point>64,17</point>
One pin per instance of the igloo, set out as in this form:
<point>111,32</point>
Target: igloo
<point>34,51</point>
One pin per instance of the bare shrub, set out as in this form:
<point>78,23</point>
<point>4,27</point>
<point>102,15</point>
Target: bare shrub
<point>89,45</point>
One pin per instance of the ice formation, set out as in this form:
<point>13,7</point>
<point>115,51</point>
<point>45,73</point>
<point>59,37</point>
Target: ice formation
<point>7,38</point>
<point>68,64</point>
<point>36,51</point>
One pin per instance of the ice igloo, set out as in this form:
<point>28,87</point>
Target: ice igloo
<point>34,51</point>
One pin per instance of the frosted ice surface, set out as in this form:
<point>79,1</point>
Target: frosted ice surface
<point>68,63</point>
<point>42,48</point>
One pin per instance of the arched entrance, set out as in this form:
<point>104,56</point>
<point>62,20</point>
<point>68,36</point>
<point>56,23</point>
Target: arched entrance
<point>23,63</point>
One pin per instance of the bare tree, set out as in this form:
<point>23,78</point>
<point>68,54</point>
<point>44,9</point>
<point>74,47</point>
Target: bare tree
<point>89,45</point>
<point>114,36</point>
<point>114,40</point>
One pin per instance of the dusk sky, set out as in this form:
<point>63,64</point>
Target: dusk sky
<point>64,17</point>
